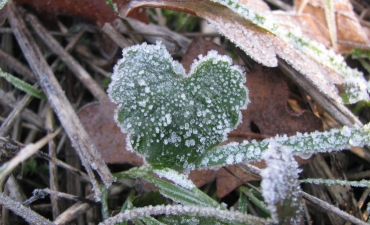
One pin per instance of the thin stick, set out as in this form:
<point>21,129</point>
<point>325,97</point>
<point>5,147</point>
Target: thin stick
<point>26,114</point>
<point>117,37</point>
<point>81,141</point>
<point>73,211</point>
<point>24,154</point>
<point>338,111</point>
<point>16,65</point>
<point>9,121</point>
<point>53,169</point>
<point>72,64</point>
<point>330,208</point>
<point>26,213</point>
<point>69,196</point>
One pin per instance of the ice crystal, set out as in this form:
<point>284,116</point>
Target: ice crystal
<point>280,184</point>
<point>301,144</point>
<point>174,176</point>
<point>173,117</point>
<point>362,183</point>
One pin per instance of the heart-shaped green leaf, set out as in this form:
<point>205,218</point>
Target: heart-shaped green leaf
<point>173,118</point>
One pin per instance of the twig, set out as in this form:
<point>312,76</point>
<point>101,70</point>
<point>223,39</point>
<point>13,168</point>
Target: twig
<point>9,121</point>
<point>24,154</point>
<point>338,111</point>
<point>72,64</point>
<point>324,205</point>
<point>81,141</point>
<point>118,38</point>
<point>16,65</point>
<point>26,114</point>
<point>53,169</point>
<point>330,208</point>
<point>69,197</point>
<point>26,213</point>
<point>73,211</point>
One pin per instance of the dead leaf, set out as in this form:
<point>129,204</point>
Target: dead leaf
<point>268,110</point>
<point>261,45</point>
<point>348,26</point>
<point>199,46</point>
<point>97,118</point>
<point>243,33</point>
<point>95,11</point>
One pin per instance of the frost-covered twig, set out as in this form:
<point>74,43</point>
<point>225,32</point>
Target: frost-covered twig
<point>189,210</point>
<point>330,208</point>
<point>22,211</point>
<point>362,183</point>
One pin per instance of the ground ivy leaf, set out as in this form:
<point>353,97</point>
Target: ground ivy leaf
<point>171,117</point>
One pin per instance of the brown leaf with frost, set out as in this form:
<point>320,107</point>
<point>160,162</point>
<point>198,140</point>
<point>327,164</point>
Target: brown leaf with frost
<point>250,38</point>
<point>350,33</point>
<point>261,45</point>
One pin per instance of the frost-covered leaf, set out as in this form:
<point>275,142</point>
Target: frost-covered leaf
<point>172,117</point>
<point>267,37</point>
<point>280,185</point>
<point>296,44</point>
<point>232,25</point>
<point>182,191</point>
<point>301,144</point>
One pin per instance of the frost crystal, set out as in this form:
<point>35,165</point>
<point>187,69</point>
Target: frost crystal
<point>280,184</point>
<point>173,117</point>
<point>174,176</point>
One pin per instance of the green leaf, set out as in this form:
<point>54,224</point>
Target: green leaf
<point>22,85</point>
<point>191,220</point>
<point>182,191</point>
<point>244,191</point>
<point>172,118</point>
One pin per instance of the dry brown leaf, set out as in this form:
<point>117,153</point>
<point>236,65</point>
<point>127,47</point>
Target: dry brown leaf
<point>348,26</point>
<point>252,39</point>
<point>97,118</point>
<point>95,11</point>
<point>268,110</point>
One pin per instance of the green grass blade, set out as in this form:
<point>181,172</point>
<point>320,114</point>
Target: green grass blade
<point>22,85</point>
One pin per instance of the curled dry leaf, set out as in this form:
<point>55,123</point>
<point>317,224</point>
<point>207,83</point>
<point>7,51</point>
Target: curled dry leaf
<point>349,29</point>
